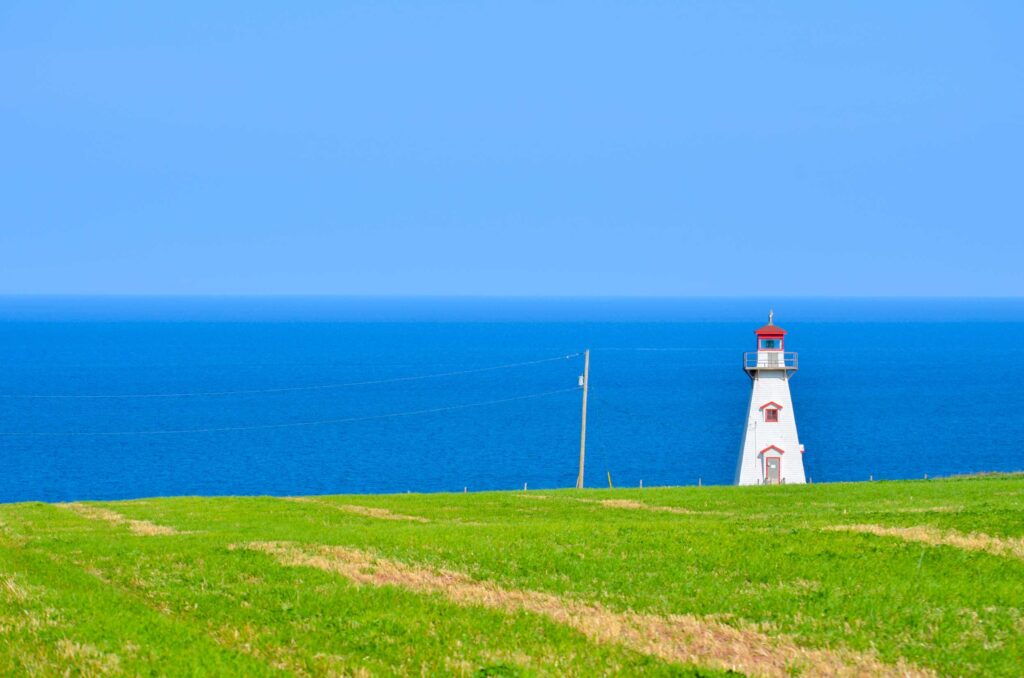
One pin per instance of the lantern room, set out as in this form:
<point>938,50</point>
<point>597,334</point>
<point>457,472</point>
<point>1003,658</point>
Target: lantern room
<point>770,337</point>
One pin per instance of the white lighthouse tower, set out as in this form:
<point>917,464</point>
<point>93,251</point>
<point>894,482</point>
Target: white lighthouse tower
<point>771,453</point>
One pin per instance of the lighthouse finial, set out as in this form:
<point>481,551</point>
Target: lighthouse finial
<point>771,316</point>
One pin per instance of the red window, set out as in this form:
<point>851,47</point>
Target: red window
<point>771,415</point>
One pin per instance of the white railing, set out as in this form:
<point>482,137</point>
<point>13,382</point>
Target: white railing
<point>769,360</point>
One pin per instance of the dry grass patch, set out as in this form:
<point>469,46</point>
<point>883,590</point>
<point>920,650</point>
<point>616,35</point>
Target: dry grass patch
<point>8,537</point>
<point>258,644</point>
<point>87,660</point>
<point>248,640</point>
<point>930,509</point>
<point>140,527</point>
<point>367,511</point>
<point>640,506</point>
<point>974,541</point>
<point>22,611</point>
<point>886,508</point>
<point>12,590</point>
<point>676,638</point>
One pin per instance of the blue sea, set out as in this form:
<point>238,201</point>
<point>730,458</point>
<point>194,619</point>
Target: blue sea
<point>107,398</point>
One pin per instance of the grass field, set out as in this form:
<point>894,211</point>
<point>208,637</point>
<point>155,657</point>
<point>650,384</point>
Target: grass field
<point>893,578</point>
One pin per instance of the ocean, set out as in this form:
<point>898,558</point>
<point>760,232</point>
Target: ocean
<point>109,398</point>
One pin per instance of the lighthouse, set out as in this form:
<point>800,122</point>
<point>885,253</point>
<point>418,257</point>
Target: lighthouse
<point>771,453</point>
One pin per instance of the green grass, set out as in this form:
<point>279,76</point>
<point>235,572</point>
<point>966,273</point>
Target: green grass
<point>89,597</point>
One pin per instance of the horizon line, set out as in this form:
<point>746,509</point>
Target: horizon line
<point>513,297</point>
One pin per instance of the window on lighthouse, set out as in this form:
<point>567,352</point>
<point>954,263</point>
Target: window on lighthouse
<point>771,415</point>
<point>770,344</point>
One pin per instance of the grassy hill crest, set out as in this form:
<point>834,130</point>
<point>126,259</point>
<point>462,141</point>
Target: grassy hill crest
<point>885,578</point>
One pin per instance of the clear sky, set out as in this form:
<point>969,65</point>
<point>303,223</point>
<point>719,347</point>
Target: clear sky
<point>597,148</point>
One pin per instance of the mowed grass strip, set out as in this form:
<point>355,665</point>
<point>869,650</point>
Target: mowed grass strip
<point>635,505</point>
<point>975,541</point>
<point>678,638</point>
<point>368,511</point>
<point>143,528</point>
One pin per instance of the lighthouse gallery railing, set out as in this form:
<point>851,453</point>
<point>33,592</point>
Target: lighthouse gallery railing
<point>769,360</point>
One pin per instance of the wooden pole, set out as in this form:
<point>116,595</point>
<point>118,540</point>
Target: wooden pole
<point>583,421</point>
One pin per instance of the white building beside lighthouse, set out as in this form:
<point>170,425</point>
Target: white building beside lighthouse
<point>771,453</point>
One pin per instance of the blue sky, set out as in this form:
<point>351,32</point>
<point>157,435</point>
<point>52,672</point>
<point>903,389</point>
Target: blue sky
<point>594,148</point>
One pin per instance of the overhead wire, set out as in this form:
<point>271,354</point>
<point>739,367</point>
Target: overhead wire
<point>286,389</point>
<point>655,348</point>
<point>321,422</point>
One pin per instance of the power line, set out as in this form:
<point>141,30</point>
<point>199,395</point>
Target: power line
<point>290,389</point>
<point>681,349</point>
<point>296,424</point>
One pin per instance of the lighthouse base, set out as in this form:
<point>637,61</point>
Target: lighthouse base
<point>771,453</point>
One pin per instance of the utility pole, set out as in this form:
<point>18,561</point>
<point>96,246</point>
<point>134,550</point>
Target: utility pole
<point>583,423</point>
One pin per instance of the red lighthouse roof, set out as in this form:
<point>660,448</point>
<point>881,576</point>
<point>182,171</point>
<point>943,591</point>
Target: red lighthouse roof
<point>771,329</point>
